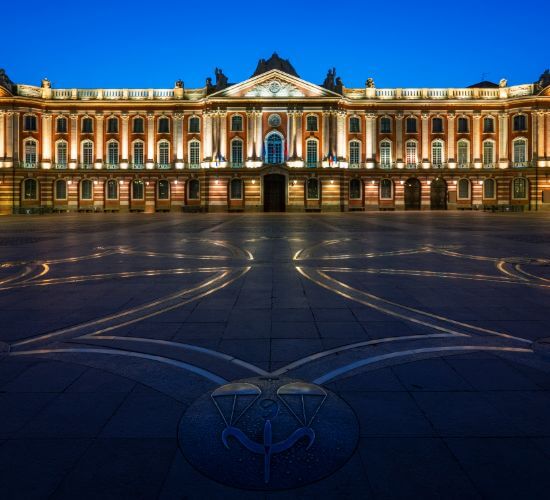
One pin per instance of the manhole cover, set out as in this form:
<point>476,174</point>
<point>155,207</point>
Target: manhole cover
<point>268,434</point>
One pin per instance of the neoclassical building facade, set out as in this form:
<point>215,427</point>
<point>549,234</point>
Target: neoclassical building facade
<point>274,143</point>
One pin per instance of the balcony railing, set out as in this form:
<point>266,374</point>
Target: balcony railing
<point>235,164</point>
<point>520,164</point>
<point>28,164</point>
<point>60,166</point>
<point>412,166</point>
<point>163,166</point>
<point>137,166</point>
<point>313,164</point>
<point>464,165</point>
<point>489,165</point>
<point>112,166</point>
<point>193,165</point>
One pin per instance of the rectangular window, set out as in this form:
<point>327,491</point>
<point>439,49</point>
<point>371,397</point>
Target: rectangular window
<point>311,124</point>
<point>163,190</point>
<point>30,123</point>
<point>86,190</point>
<point>463,158</point>
<point>138,153</point>
<point>386,191</point>
<point>312,189</point>
<point>137,127</point>
<point>194,153</point>
<point>437,125</point>
<point>137,190</point>
<point>411,125</point>
<point>164,126</point>
<point>87,126</point>
<point>488,155</point>
<point>237,153</point>
<point>311,158</point>
<point>488,125</point>
<point>87,153</point>
<point>385,126</point>
<point>62,153</point>
<point>462,125</point>
<point>112,126</point>
<point>61,125</point>
<point>236,189</point>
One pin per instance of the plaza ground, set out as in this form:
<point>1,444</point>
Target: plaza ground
<point>431,326</point>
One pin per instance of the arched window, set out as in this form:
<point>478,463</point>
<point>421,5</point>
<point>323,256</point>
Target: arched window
<point>137,125</point>
<point>385,125</point>
<point>138,190</point>
<point>164,125</point>
<point>138,154</point>
<point>111,189</point>
<point>194,125</point>
<point>112,153</point>
<point>193,189</point>
<point>520,123</point>
<point>410,125</point>
<point>31,147</point>
<point>312,189</point>
<point>29,123</point>
<point>164,153</point>
<point>463,189</point>
<point>274,145</point>
<point>61,153</point>
<point>410,154</point>
<point>385,154</point>
<point>236,189</point>
<point>489,189</point>
<point>311,153</point>
<point>163,189</point>
<point>30,189</point>
<point>463,157</point>
<point>112,125</point>
<point>354,125</point>
<point>237,152</point>
<point>87,125</point>
<point>462,125</point>
<point>311,123</point>
<point>61,125</point>
<point>194,153</point>
<point>354,153</point>
<point>237,123</point>
<point>87,153</point>
<point>386,189</point>
<point>488,154</point>
<point>519,188</point>
<point>488,125</point>
<point>437,125</point>
<point>437,153</point>
<point>520,152</point>
<point>60,189</point>
<point>86,190</point>
<point>355,190</point>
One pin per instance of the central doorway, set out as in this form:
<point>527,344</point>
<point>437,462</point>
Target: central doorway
<point>438,194</point>
<point>274,193</point>
<point>412,194</point>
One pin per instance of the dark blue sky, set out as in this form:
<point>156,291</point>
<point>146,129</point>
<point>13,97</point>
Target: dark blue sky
<point>151,44</point>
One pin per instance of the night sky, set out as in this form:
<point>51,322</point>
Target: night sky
<point>400,44</point>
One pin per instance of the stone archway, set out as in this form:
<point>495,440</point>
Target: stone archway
<point>412,194</point>
<point>438,194</point>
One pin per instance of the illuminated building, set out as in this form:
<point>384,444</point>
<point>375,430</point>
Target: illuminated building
<point>274,142</point>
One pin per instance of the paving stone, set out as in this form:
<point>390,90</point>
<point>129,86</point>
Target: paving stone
<point>47,376</point>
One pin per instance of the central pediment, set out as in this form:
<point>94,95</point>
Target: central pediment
<point>274,84</point>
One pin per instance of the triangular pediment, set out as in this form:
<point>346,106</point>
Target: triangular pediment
<point>274,84</point>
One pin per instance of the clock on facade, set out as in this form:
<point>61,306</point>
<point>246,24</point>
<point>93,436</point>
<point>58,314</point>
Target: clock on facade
<point>274,86</point>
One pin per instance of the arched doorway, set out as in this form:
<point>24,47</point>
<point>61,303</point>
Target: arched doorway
<point>438,194</point>
<point>412,194</point>
<point>274,149</point>
<point>274,193</point>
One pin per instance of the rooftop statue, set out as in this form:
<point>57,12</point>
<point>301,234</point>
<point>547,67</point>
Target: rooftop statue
<point>6,82</point>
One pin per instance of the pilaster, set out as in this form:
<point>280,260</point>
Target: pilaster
<point>341,136</point>
<point>451,139</point>
<point>476,129</point>
<point>46,140</point>
<point>370,117</point>
<point>399,140</point>
<point>99,140</point>
<point>541,142</point>
<point>223,137</point>
<point>74,141</point>
<point>150,163</point>
<point>178,139</point>
<point>425,140</point>
<point>3,138</point>
<point>124,141</point>
<point>503,140</point>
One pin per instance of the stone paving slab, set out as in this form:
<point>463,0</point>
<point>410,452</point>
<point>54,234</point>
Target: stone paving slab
<point>451,397</point>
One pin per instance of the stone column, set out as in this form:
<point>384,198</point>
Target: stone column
<point>46,159</point>
<point>178,139</point>
<point>399,139</point>
<point>476,139</point>
<point>326,135</point>
<point>503,140</point>
<point>291,134</point>
<point>425,140</point>
<point>368,139</point>
<point>299,128</point>
<point>541,142</point>
<point>74,141</point>
<point>341,135</point>
<point>99,140</point>
<point>15,130</point>
<point>207,146</point>
<point>124,140</point>
<point>547,135</point>
<point>259,135</point>
<point>150,140</point>
<point>3,137</point>
<point>451,139</point>
<point>223,136</point>
<point>249,135</point>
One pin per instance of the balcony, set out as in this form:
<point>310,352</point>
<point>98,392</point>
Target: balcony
<point>235,164</point>
<point>412,166</point>
<point>520,164</point>
<point>313,164</point>
<point>60,166</point>
<point>112,166</point>
<point>489,165</point>
<point>439,165</point>
<point>163,166</point>
<point>464,165</point>
<point>386,165</point>
<point>28,164</point>
<point>85,166</point>
<point>193,165</point>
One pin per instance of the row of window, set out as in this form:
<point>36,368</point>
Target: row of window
<point>519,124</point>
<point>312,156</point>
<point>520,186</point>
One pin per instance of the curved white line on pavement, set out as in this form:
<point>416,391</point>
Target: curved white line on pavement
<point>187,347</point>
<point>114,352</point>
<point>327,377</point>
<point>412,309</point>
<point>336,350</point>
<point>143,308</point>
